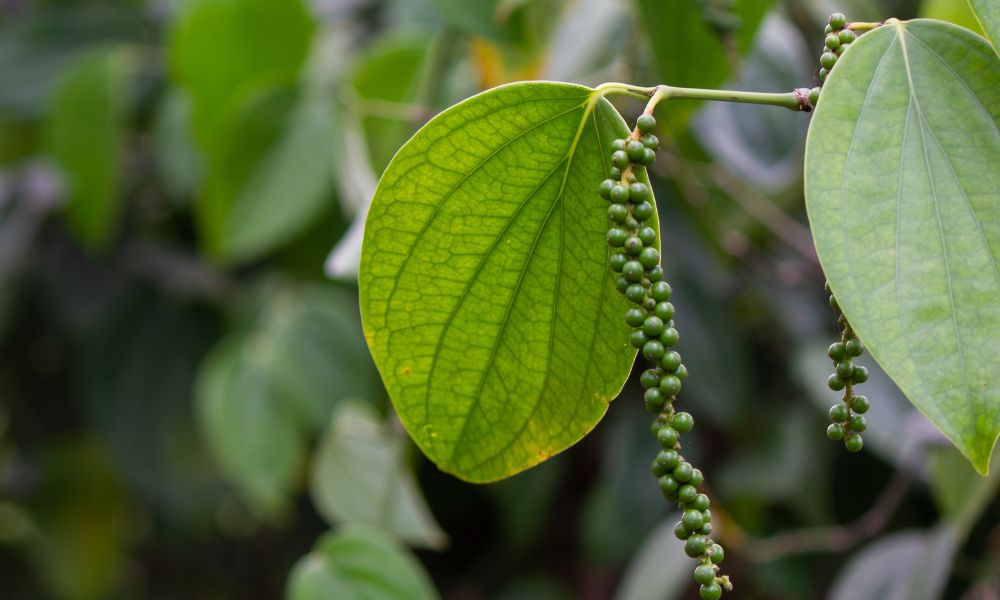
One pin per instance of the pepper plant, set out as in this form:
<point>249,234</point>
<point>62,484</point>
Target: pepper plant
<point>511,273</point>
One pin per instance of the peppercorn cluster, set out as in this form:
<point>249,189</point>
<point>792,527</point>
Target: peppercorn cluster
<point>848,415</point>
<point>634,256</point>
<point>838,37</point>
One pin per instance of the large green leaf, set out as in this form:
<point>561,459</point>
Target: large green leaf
<point>689,53</point>
<point>223,50</point>
<point>988,14</point>
<point>85,134</point>
<point>903,194</point>
<point>360,564</point>
<point>360,475</point>
<point>485,294</point>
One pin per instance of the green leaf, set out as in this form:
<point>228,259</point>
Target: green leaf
<point>485,295</point>
<point>988,14</point>
<point>689,53</point>
<point>85,135</point>
<point>222,51</point>
<point>902,188</point>
<point>255,440</point>
<point>320,356</point>
<point>360,475</point>
<point>270,174</point>
<point>360,564</point>
<point>959,13</point>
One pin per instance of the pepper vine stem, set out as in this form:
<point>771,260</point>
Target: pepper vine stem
<point>797,99</point>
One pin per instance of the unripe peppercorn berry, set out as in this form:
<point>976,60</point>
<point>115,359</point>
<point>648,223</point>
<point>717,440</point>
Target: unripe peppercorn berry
<point>681,532</point>
<point>619,158</point>
<point>648,158</point>
<point>716,554</point>
<point>839,413</point>
<point>668,485</point>
<point>661,293</point>
<point>635,317</point>
<point>649,379</point>
<point>621,284</point>
<point>639,192</point>
<point>633,271</point>
<point>854,442</point>
<point>853,348</point>
<point>844,369</point>
<point>827,60</point>
<point>710,591</point>
<point>687,493</point>
<point>617,262</point>
<point>847,36</point>
<point>837,20</point>
<point>700,502</point>
<point>635,293</point>
<point>664,310</point>
<point>633,245</point>
<point>619,194</point>
<point>860,404</point>
<point>652,350</point>
<point>652,326</point>
<point>693,520</point>
<point>667,437</point>
<point>683,471</point>
<point>668,459</point>
<point>835,432</point>
<point>704,574</point>
<point>671,360</point>
<point>832,41</point>
<point>836,351</point>
<point>683,422</point>
<point>669,337</point>
<point>835,383</point>
<point>697,478</point>
<point>645,123</point>
<point>637,339</point>
<point>858,423</point>
<point>642,211</point>
<point>670,385</point>
<point>654,275</point>
<point>634,149</point>
<point>617,213</point>
<point>619,144</point>
<point>647,235</point>
<point>651,141</point>
<point>695,545</point>
<point>814,97</point>
<point>859,374</point>
<point>617,237</point>
<point>649,257</point>
<point>604,190</point>
<point>822,77</point>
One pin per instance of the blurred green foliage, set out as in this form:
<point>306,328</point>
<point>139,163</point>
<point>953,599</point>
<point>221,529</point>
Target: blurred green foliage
<point>187,406</point>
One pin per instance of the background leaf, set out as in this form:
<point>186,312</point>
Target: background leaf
<point>362,564</point>
<point>86,136</point>
<point>903,204</point>
<point>252,44</point>
<point>484,253</point>
<point>988,14</point>
<point>360,475</point>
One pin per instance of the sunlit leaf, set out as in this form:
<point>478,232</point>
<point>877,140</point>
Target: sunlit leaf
<point>903,196</point>
<point>360,564</point>
<point>86,136</point>
<point>360,475</point>
<point>485,295</point>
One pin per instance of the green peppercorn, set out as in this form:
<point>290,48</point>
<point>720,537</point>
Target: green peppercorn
<point>854,442</point>
<point>683,422</point>
<point>617,236</point>
<point>716,554</point>
<point>664,310</point>
<point>847,36</point>
<point>619,144</point>
<point>860,404</point>
<point>837,20</point>
<point>704,574</point>
<point>661,293</point>
<point>647,235</point>
<point>620,159</point>
<point>701,502</point>
<point>710,591</point>
<point>652,326</point>
<point>615,173</point>
<point>642,211</point>
<point>635,317</point>
<point>633,271</point>
<point>853,347</point>
<point>617,262</point>
<point>633,245</point>
<point>858,423</point>
<point>654,402</point>
<point>654,275</point>
<point>670,385</point>
<point>648,158</point>
<point>832,42</point>
<point>692,520</point>
<point>695,545</point>
<point>645,123</point>
<point>681,372</point>
<point>681,532</point>
<point>668,459</point>
<point>667,437</point>
<point>828,29</point>
<point>621,284</point>
<point>671,360</point>
<point>859,375</point>
<point>617,213</point>
<point>844,368</point>
<point>648,303</point>
<point>604,190</point>
<point>839,413</point>
<point>649,257</point>
<point>814,97</point>
<point>835,432</point>
<point>653,350</point>
<point>822,77</point>
<point>835,383</point>
<point>651,141</point>
<point>836,351</point>
<point>619,194</point>
<point>637,339</point>
<point>669,337</point>
<point>827,60</point>
<point>697,478</point>
<point>668,486</point>
<point>649,378</point>
<point>687,493</point>
<point>683,471</point>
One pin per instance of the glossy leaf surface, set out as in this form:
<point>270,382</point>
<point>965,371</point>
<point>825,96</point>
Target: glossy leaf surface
<point>903,196</point>
<point>486,298</point>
